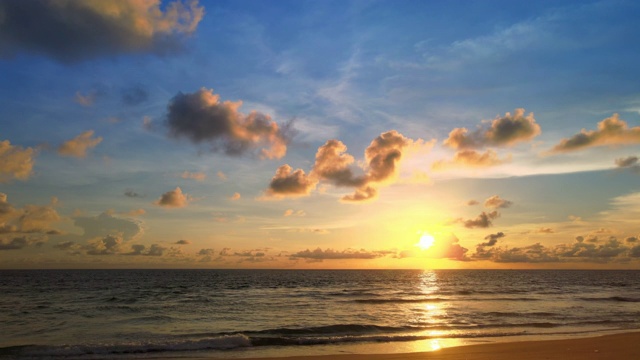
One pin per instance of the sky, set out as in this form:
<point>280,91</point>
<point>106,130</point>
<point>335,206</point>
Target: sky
<point>319,134</point>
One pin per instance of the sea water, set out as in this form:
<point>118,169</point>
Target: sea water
<point>240,313</point>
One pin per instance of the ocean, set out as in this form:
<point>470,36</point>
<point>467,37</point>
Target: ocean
<point>89,314</point>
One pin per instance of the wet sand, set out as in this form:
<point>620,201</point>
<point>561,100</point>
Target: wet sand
<point>625,346</point>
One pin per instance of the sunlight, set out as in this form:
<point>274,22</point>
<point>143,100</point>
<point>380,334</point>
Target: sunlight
<point>426,241</point>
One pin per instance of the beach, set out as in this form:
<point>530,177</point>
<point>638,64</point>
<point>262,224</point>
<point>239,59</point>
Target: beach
<point>624,346</point>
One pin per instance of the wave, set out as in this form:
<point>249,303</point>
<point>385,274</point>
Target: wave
<point>437,299</point>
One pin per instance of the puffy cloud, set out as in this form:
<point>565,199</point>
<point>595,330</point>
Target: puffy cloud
<point>334,165</point>
<point>69,30</point>
<point>330,254</point>
<point>289,183</point>
<point>611,131</point>
<point>135,212</point>
<point>183,242</point>
<point>31,219</point>
<point>472,159</point>
<point>492,239</point>
<point>544,230</point>
<point>198,176</point>
<point>16,162</point>
<point>484,220</point>
<point>592,249</point>
<point>631,239</point>
<point>105,224</point>
<point>78,146</point>
<point>201,117</point>
<point>495,202</point>
<point>472,202</point>
<point>206,252</point>
<point>14,244</point>
<point>235,196</point>
<point>535,253</point>
<point>107,245</point>
<point>502,131</point>
<point>153,250</point>
<point>174,199</point>
<point>627,162</point>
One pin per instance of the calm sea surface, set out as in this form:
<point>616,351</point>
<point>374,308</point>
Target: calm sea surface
<point>239,313</point>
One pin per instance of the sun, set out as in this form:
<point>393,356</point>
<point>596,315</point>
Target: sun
<point>426,241</point>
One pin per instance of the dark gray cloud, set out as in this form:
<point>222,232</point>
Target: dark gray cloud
<point>202,117</point>
<point>492,239</point>
<point>142,250</point>
<point>502,131</point>
<point>108,245</point>
<point>183,242</point>
<point>330,254</point>
<point>484,220</point>
<point>15,243</point>
<point>132,194</point>
<point>611,131</point>
<point>627,162</point>
<point>70,31</point>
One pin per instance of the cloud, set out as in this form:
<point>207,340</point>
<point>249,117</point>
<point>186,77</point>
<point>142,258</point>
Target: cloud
<point>106,224</point>
<point>484,220</point>
<point>289,183</point>
<point>201,117</point>
<point>31,219</point>
<point>334,165</point>
<point>471,159</point>
<point>107,245</point>
<point>235,196</point>
<point>135,212</point>
<point>492,239</point>
<point>78,146</point>
<point>611,131</point>
<point>291,212</point>
<point>495,202</point>
<point>544,230</point>
<point>627,162</point>
<point>142,250</point>
<point>16,162</point>
<point>330,254</point>
<point>222,176</point>
<point>198,176</point>
<point>174,199</point>
<point>134,95</point>
<point>447,247</point>
<point>70,31</point>
<point>472,202</point>
<point>88,99</point>
<point>183,242</point>
<point>502,131</point>
<point>132,194</point>
<point>14,244</point>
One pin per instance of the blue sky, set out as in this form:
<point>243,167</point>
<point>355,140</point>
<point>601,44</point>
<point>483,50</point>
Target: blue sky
<point>156,134</point>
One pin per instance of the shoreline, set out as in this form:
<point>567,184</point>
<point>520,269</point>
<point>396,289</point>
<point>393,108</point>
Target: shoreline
<point>619,346</point>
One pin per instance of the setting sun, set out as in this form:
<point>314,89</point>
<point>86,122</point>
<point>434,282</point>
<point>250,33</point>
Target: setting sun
<point>426,241</point>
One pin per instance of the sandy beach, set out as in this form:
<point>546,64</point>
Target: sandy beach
<point>625,346</point>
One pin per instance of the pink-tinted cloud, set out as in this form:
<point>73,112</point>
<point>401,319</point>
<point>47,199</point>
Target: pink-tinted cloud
<point>16,162</point>
<point>78,146</point>
<point>611,131</point>
<point>496,202</point>
<point>202,117</point>
<point>174,199</point>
